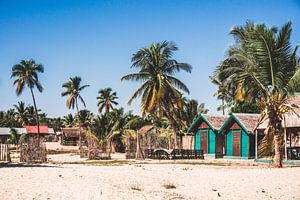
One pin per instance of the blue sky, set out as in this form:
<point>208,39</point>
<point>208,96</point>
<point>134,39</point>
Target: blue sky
<point>96,39</point>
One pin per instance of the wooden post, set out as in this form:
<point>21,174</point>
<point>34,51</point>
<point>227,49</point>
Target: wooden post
<point>138,154</point>
<point>285,147</point>
<point>256,144</point>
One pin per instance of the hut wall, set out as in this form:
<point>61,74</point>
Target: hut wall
<point>244,144</point>
<point>188,142</point>
<point>211,142</point>
<point>205,139</point>
<point>238,141</point>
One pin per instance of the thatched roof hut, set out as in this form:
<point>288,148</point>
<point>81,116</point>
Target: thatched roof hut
<point>146,129</point>
<point>292,118</point>
<point>70,132</point>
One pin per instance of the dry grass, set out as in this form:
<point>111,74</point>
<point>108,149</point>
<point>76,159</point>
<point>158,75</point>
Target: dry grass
<point>170,185</point>
<point>136,187</point>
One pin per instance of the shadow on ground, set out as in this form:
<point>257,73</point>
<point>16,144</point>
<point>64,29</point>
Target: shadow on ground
<point>12,165</point>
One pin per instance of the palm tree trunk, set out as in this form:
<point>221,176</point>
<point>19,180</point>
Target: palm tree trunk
<point>79,126</point>
<point>172,123</point>
<point>36,112</point>
<point>223,109</point>
<point>277,156</point>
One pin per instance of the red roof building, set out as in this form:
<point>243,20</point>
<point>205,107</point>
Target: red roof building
<point>34,129</point>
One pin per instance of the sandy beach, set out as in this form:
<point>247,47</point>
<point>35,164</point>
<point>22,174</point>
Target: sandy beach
<point>148,181</point>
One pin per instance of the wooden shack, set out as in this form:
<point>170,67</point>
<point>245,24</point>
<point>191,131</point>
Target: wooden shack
<point>5,133</point>
<point>70,136</point>
<point>205,129</point>
<point>291,129</point>
<point>238,135</point>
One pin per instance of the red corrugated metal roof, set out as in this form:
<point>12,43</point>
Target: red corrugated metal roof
<point>34,129</point>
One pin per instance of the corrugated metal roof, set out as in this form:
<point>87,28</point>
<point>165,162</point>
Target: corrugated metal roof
<point>34,129</point>
<point>51,131</point>
<point>6,131</point>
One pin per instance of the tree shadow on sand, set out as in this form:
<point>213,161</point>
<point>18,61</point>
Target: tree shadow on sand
<point>13,165</point>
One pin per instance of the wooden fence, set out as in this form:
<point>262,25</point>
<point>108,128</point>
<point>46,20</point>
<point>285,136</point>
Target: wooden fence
<point>4,152</point>
<point>33,151</point>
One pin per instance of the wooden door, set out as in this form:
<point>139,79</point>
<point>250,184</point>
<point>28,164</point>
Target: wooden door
<point>204,141</point>
<point>236,143</point>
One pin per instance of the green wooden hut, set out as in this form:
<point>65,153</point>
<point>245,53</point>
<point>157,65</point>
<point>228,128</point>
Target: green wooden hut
<point>205,130</point>
<point>238,136</point>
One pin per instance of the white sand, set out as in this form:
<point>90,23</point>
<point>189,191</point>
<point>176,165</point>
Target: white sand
<point>116,182</point>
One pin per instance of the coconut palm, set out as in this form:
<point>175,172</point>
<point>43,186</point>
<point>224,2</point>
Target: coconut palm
<point>264,68</point>
<point>22,113</point>
<point>85,117</point>
<point>13,137</point>
<point>9,119</point>
<point>160,88</point>
<point>224,92</point>
<point>68,120</point>
<point>26,74</point>
<point>106,99</point>
<point>73,88</point>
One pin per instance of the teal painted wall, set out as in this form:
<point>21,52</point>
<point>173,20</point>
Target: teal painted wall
<point>197,140</point>
<point>211,141</point>
<point>229,143</point>
<point>244,144</point>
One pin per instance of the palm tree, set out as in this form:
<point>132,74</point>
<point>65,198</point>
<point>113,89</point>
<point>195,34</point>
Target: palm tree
<point>191,111</point>
<point>224,92</point>
<point>26,74</point>
<point>85,117</point>
<point>106,99</point>
<point>22,113</point>
<point>73,88</point>
<point>264,68</point>
<point>68,120</point>
<point>160,89</point>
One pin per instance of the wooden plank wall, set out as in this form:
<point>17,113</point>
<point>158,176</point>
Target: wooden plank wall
<point>3,152</point>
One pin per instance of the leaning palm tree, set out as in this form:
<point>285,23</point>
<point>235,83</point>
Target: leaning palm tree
<point>26,74</point>
<point>106,99</point>
<point>73,88</point>
<point>265,68</point>
<point>160,88</point>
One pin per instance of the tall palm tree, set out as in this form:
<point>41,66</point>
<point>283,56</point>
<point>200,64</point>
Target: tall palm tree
<point>160,88</point>
<point>22,113</point>
<point>73,88</point>
<point>26,74</point>
<point>106,99</point>
<point>265,68</point>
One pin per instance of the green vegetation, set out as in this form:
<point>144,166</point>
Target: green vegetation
<point>73,88</point>
<point>26,74</point>
<point>106,99</point>
<point>261,68</point>
<point>258,73</point>
<point>160,89</point>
